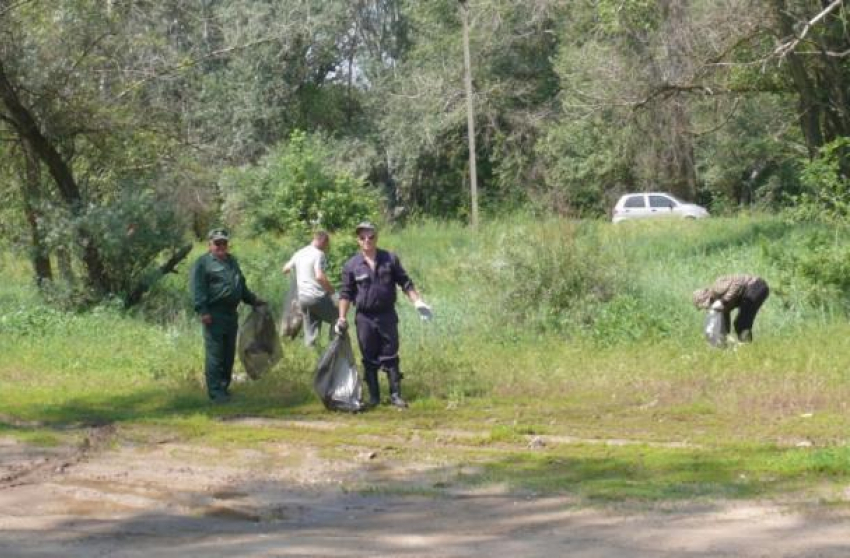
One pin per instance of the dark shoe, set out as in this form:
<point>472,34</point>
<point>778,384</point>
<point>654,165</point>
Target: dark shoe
<point>395,377</point>
<point>746,336</point>
<point>220,398</point>
<point>371,378</point>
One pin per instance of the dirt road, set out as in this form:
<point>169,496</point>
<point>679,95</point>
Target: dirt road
<point>165,498</point>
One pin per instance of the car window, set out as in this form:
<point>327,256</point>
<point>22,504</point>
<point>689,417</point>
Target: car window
<point>634,201</point>
<point>661,201</point>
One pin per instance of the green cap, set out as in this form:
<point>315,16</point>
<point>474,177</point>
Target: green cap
<point>219,234</point>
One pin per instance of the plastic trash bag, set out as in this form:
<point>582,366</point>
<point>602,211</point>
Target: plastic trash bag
<point>258,345</point>
<point>714,329</point>
<point>291,316</point>
<point>337,382</point>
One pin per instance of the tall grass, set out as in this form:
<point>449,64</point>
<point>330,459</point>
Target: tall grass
<point>589,316</point>
<point>578,330</point>
<point>554,309</point>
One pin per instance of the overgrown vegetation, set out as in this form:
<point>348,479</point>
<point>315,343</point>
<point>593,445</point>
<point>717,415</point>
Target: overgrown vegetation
<point>129,132</point>
<point>295,190</point>
<point>568,364</point>
<point>283,115</point>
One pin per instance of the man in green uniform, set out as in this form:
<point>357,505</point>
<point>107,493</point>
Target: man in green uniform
<point>218,287</point>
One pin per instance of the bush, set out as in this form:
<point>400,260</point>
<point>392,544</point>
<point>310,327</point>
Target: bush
<point>556,281</point>
<point>827,189</point>
<point>297,188</point>
<point>630,318</point>
<point>817,264</point>
<point>130,231</point>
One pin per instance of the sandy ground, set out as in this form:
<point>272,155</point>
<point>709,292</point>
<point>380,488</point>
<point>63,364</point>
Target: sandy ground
<point>115,498</point>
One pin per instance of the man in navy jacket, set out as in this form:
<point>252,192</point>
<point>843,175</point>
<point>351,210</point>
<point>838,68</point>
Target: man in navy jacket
<point>369,280</point>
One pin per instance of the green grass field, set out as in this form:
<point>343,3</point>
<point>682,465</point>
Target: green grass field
<point>578,335</point>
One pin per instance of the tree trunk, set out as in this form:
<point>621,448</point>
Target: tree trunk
<point>31,190</point>
<point>679,167</point>
<point>809,107</point>
<point>28,130</point>
<point>63,263</point>
<point>470,117</point>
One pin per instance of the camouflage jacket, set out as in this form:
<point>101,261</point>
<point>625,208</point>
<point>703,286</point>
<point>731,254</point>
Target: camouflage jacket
<point>730,288</point>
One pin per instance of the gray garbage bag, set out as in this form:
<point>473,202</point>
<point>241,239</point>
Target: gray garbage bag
<point>258,345</point>
<point>291,316</point>
<point>714,329</point>
<point>337,382</point>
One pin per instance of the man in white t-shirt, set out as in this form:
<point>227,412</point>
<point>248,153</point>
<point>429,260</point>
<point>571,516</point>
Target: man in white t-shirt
<point>314,288</point>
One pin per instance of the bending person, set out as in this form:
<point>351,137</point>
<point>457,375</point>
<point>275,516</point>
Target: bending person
<point>745,292</point>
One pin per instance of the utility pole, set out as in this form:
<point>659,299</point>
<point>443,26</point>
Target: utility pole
<point>470,115</point>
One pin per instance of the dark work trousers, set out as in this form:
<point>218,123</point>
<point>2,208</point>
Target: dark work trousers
<point>751,301</point>
<point>220,349</point>
<point>377,335</point>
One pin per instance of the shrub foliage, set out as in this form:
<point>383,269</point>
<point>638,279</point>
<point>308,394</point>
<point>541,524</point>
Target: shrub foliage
<point>296,189</point>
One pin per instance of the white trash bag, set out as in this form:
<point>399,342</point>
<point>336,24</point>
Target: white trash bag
<point>714,329</point>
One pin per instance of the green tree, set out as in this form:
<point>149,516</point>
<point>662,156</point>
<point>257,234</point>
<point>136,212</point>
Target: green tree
<point>422,105</point>
<point>56,104</point>
<point>623,125</point>
<point>295,189</point>
<point>816,55</point>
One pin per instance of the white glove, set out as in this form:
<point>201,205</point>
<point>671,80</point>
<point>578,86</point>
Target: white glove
<point>341,327</point>
<point>424,310</point>
<point>717,306</point>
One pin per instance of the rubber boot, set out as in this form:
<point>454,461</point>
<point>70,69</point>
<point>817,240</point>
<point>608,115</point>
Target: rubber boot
<point>746,336</point>
<point>395,388</point>
<point>371,377</point>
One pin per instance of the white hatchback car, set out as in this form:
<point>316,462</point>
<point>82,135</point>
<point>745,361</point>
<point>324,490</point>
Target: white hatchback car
<point>655,204</point>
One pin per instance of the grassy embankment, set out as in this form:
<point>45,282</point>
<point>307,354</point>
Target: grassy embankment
<point>577,337</point>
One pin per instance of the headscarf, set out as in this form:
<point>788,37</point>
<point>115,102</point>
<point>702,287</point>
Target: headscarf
<point>702,298</point>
